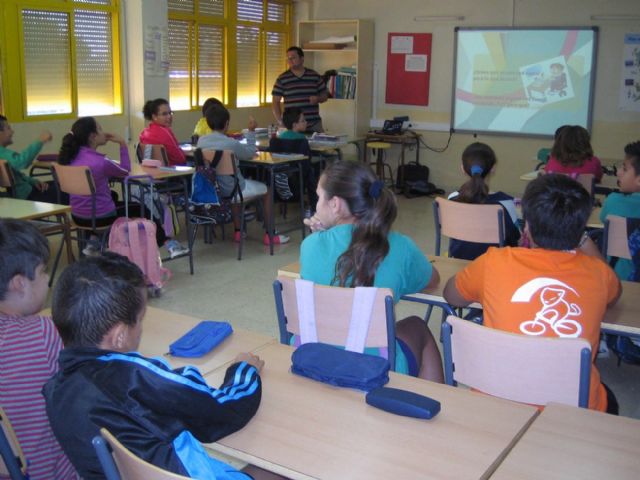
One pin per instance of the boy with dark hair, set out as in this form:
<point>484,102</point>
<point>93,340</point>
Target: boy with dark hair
<point>26,187</point>
<point>294,120</point>
<point>627,202</point>
<point>30,347</point>
<point>560,287</point>
<point>218,118</point>
<point>159,414</point>
<point>201,129</point>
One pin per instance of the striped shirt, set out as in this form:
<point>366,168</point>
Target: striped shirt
<point>29,348</point>
<point>297,90</point>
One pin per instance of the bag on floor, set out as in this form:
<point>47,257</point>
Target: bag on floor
<point>624,348</point>
<point>135,238</point>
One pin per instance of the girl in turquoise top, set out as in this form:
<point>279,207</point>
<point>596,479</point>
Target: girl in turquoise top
<point>352,245</point>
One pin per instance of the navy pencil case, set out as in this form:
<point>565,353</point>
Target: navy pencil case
<point>339,367</point>
<point>201,339</point>
<point>402,402</point>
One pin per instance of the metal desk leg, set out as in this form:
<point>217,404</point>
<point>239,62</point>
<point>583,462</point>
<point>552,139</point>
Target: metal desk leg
<point>301,184</point>
<point>187,219</point>
<point>271,221</point>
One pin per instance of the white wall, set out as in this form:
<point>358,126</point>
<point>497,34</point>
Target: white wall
<point>612,129</point>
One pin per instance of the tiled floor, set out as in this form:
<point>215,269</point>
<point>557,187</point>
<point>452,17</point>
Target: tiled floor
<point>224,288</point>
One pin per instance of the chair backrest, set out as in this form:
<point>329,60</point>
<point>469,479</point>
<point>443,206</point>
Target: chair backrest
<point>127,466</point>
<point>294,145</point>
<point>588,181</point>
<point>333,308</point>
<point>615,241</point>
<point>6,177</point>
<point>74,180</point>
<point>226,165</point>
<point>470,222</point>
<point>535,370</point>
<point>12,461</point>
<point>149,151</point>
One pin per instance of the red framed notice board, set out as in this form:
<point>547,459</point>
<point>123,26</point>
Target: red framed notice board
<point>408,68</point>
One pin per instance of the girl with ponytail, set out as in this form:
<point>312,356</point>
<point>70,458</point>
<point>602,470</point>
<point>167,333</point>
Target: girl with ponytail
<point>353,245</point>
<point>478,162</point>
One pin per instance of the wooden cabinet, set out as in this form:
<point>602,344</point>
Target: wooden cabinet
<point>339,115</point>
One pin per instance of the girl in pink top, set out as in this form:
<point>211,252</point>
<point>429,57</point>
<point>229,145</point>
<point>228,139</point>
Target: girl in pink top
<point>159,132</point>
<point>572,153</point>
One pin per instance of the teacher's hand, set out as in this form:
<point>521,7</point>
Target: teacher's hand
<point>314,100</point>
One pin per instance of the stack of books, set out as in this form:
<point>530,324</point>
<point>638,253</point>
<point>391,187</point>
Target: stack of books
<point>343,84</point>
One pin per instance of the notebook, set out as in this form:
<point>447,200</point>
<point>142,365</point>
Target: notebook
<point>391,127</point>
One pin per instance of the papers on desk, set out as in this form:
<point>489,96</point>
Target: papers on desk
<point>284,156</point>
<point>176,168</point>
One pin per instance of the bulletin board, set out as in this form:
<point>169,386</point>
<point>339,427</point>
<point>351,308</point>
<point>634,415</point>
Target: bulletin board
<point>408,68</point>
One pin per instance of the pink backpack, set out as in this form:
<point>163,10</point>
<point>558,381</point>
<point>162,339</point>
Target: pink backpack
<point>135,238</point>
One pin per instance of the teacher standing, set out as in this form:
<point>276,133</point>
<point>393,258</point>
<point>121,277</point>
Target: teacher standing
<point>300,87</point>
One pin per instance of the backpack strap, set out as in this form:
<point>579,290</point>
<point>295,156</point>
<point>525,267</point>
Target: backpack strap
<point>216,159</point>
<point>135,248</point>
<point>361,311</point>
<point>306,311</point>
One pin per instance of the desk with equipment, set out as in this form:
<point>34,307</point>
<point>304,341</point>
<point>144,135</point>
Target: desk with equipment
<point>307,429</point>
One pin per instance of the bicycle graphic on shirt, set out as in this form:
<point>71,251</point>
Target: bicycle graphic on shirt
<point>556,313</point>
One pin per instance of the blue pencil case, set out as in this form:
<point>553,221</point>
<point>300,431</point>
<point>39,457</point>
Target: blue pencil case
<point>201,339</point>
<point>402,402</point>
<point>339,367</point>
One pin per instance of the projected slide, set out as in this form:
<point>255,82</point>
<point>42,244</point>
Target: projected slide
<point>523,81</point>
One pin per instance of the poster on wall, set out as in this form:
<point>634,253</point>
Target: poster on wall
<point>156,51</point>
<point>630,78</point>
<point>408,68</point>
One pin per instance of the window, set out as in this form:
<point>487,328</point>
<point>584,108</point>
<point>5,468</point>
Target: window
<point>229,49</point>
<point>69,63</point>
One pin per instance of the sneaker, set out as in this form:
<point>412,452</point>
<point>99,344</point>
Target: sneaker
<point>277,239</point>
<point>236,236</point>
<point>175,248</point>
<point>91,250</point>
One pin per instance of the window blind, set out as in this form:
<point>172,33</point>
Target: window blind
<point>180,64</point>
<point>47,62</point>
<point>276,12</point>
<point>248,65</point>
<point>276,52</point>
<point>210,62</point>
<point>250,10</point>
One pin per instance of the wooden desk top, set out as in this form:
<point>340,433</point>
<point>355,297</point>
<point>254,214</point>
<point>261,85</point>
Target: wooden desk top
<point>161,328</point>
<point>28,209</point>
<point>608,181</point>
<point>307,429</point>
<point>574,443</point>
<point>159,173</point>
<point>267,158</point>
<point>406,136</point>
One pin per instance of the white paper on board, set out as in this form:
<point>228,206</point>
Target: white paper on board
<point>402,44</point>
<point>415,63</point>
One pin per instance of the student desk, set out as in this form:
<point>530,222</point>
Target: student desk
<point>574,443</point>
<point>30,210</point>
<point>408,138</point>
<point>622,319</point>
<point>307,429</point>
<point>161,328</point>
<point>275,163</point>
<point>609,183</point>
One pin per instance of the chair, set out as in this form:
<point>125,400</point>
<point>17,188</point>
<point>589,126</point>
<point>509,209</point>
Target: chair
<point>13,463</point>
<point>615,242</point>
<point>588,181</point>
<point>521,368</point>
<point>333,311</point>
<point>227,166</point>
<point>543,157</point>
<point>79,181</point>
<point>378,149</point>
<point>148,151</point>
<point>7,181</point>
<point>43,162</point>
<point>468,222</point>
<point>119,463</point>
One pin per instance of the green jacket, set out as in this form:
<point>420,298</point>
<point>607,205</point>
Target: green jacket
<point>20,161</point>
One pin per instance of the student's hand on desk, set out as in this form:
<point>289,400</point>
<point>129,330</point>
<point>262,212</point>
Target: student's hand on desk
<point>253,124</point>
<point>251,359</point>
<point>45,136</point>
<point>314,224</point>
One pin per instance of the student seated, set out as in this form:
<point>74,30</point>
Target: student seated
<point>26,187</point>
<point>572,153</point>
<point>201,129</point>
<point>627,202</point>
<point>158,132</point>
<point>218,120</point>
<point>353,246</point>
<point>293,140</point>
<point>478,162</point>
<point>79,148</point>
<point>29,347</point>
<point>560,287</point>
<point>161,415</point>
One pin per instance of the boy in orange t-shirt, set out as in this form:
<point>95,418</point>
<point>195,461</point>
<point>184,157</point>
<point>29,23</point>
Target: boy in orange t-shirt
<point>560,287</point>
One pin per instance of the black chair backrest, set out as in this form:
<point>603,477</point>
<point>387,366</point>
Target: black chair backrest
<point>298,145</point>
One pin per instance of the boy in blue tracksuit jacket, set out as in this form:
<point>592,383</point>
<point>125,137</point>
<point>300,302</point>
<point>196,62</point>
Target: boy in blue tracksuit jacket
<point>160,414</point>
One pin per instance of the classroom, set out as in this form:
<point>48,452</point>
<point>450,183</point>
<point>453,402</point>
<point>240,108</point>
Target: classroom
<point>152,52</point>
